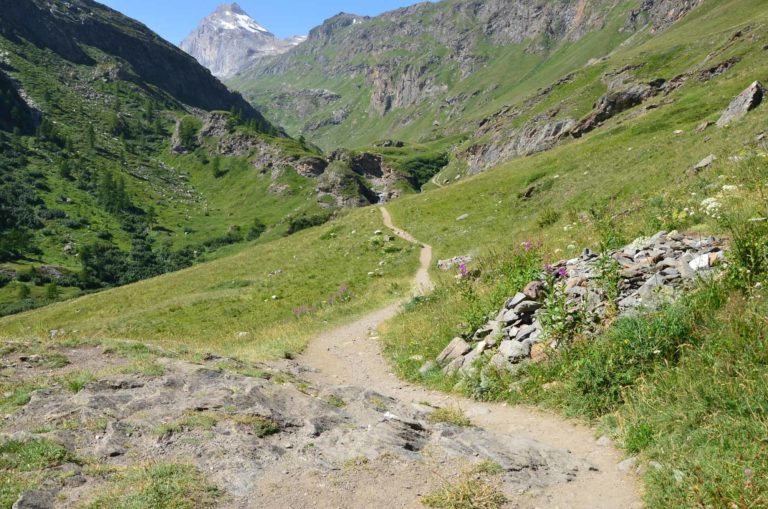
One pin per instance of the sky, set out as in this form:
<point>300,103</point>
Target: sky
<point>174,19</point>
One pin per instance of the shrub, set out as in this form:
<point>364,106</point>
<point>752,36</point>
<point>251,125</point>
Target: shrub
<point>748,253</point>
<point>548,217</point>
<point>256,230</point>
<point>308,221</point>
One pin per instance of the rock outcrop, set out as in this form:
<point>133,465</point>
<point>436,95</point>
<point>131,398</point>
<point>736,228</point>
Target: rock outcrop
<point>748,100</point>
<point>660,13</point>
<point>343,178</point>
<point>615,102</point>
<point>537,135</point>
<point>649,272</point>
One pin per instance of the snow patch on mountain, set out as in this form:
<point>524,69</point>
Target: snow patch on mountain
<point>229,39</point>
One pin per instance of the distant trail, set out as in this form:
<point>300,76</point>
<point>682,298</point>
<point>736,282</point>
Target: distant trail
<point>434,181</point>
<point>350,355</point>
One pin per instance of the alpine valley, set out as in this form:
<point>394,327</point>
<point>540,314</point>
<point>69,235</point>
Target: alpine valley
<point>465,254</point>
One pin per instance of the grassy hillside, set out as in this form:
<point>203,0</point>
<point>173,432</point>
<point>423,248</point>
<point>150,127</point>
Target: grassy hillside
<point>263,302</point>
<point>636,167</point>
<point>682,388</point>
<point>92,194</point>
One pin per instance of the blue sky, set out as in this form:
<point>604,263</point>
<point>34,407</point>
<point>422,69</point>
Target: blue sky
<point>174,19</point>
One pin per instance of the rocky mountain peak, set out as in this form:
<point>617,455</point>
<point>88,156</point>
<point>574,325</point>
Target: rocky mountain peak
<point>233,17</point>
<point>229,39</point>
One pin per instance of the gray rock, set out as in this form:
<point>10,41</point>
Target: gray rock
<point>501,363</point>
<point>684,267</point>
<point>427,367</point>
<point>508,316</point>
<point>748,100</point>
<point>468,368</point>
<point>455,349</point>
<point>515,351</point>
<point>700,262</point>
<point>526,332</point>
<point>514,301</point>
<point>34,499</point>
<point>453,262</point>
<point>705,163</point>
<point>492,328</point>
<point>527,307</point>
<point>628,464</point>
<point>453,366</point>
<point>646,291</point>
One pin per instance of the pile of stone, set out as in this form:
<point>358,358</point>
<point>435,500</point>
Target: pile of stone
<point>651,271</point>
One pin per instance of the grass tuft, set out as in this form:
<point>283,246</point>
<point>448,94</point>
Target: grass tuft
<point>449,415</point>
<point>467,493</point>
<point>163,486</point>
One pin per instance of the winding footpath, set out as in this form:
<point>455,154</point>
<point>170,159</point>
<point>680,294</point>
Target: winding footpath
<point>350,355</point>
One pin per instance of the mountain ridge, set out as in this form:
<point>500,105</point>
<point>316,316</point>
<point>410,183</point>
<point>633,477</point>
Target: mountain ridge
<point>410,72</point>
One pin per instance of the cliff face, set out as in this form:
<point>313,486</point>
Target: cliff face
<point>415,63</point>
<point>230,39</point>
<point>63,26</point>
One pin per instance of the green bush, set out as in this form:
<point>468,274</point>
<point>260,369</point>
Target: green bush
<point>308,221</point>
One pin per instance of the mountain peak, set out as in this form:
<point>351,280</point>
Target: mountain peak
<point>233,17</point>
<point>229,39</point>
<point>233,7</point>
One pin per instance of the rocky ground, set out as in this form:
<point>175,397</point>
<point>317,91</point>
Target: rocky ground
<point>241,426</point>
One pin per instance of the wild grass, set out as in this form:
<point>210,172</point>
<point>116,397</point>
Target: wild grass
<point>258,425</point>
<point>77,380</point>
<point>161,486</point>
<point>683,387</point>
<point>195,308</point>
<point>449,415</point>
<point>466,493</point>
<point>21,464</point>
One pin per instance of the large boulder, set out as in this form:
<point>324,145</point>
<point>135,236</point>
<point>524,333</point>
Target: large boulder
<point>746,101</point>
<point>455,349</point>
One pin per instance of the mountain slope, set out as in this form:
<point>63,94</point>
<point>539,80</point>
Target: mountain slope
<point>423,72</point>
<point>124,158</point>
<point>229,39</point>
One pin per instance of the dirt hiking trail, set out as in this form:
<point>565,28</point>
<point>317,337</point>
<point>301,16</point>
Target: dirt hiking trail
<point>350,356</point>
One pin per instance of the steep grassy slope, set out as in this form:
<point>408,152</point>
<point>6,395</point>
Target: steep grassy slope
<point>107,177</point>
<point>636,166</point>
